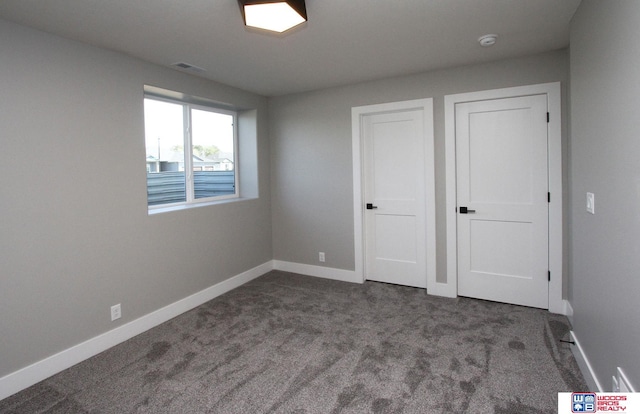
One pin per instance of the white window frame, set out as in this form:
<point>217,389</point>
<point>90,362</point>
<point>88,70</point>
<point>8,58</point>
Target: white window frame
<point>191,201</point>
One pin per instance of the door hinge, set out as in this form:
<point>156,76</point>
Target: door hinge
<point>548,197</point>
<point>548,117</point>
<point>549,276</point>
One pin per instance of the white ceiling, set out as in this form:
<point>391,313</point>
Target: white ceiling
<point>344,41</point>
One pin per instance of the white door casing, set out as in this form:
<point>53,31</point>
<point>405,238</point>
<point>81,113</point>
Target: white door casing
<point>502,186</point>
<point>393,170</point>
<point>554,160</point>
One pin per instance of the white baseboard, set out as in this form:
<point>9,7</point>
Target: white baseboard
<point>318,271</point>
<point>585,367</point>
<point>446,290</point>
<point>568,310</point>
<point>38,371</point>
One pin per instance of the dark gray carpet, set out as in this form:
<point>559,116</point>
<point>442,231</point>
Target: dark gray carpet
<point>287,343</point>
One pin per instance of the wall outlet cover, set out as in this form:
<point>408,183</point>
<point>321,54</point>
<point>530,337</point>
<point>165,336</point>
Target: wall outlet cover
<point>116,312</point>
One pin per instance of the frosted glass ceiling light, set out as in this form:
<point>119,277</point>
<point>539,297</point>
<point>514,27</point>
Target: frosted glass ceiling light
<point>274,15</point>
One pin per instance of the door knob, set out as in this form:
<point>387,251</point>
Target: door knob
<point>464,210</point>
<point>370,206</point>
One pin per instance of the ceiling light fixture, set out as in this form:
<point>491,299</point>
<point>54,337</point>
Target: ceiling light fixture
<point>273,15</point>
<point>487,40</point>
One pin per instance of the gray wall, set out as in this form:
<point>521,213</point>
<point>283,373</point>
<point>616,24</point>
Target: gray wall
<point>75,237</point>
<point>312,184</point>
<point>605,160</point>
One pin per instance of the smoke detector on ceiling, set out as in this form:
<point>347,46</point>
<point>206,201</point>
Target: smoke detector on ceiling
<point>487,40</point>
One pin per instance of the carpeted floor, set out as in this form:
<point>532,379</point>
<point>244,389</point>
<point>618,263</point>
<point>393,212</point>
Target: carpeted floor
<point>287,343</point>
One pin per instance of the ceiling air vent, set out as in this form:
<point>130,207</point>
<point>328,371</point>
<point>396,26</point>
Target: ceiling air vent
<point>189,67</point>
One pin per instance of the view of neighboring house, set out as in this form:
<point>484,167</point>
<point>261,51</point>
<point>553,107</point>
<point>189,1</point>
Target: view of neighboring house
<point>175,162</point>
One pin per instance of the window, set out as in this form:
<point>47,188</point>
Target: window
<point>191,152</point>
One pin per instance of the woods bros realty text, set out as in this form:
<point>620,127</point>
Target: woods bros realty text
<point>592,402</point>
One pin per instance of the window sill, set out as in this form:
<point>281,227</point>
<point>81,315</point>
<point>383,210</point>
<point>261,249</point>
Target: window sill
<point>180,207</point>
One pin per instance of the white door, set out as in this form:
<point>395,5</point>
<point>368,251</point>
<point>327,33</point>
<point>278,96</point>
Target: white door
<point>394,191</point>
<point>502,181</point>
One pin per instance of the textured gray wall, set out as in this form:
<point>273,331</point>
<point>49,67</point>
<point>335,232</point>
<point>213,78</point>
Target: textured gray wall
<point>75,237</point>
<point>605,160</point>
<point>312,184</point>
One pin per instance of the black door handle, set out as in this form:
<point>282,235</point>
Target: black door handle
<point>371,206</point>
<point>464,210</point>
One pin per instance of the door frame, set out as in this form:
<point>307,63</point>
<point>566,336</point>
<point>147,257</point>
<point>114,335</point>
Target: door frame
<point>357,141</point>
<point>554,128</point>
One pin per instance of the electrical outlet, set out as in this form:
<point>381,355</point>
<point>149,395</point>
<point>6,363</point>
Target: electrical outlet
<point>321,256</point>
<point>116,312</point>
<point>591,203</point>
